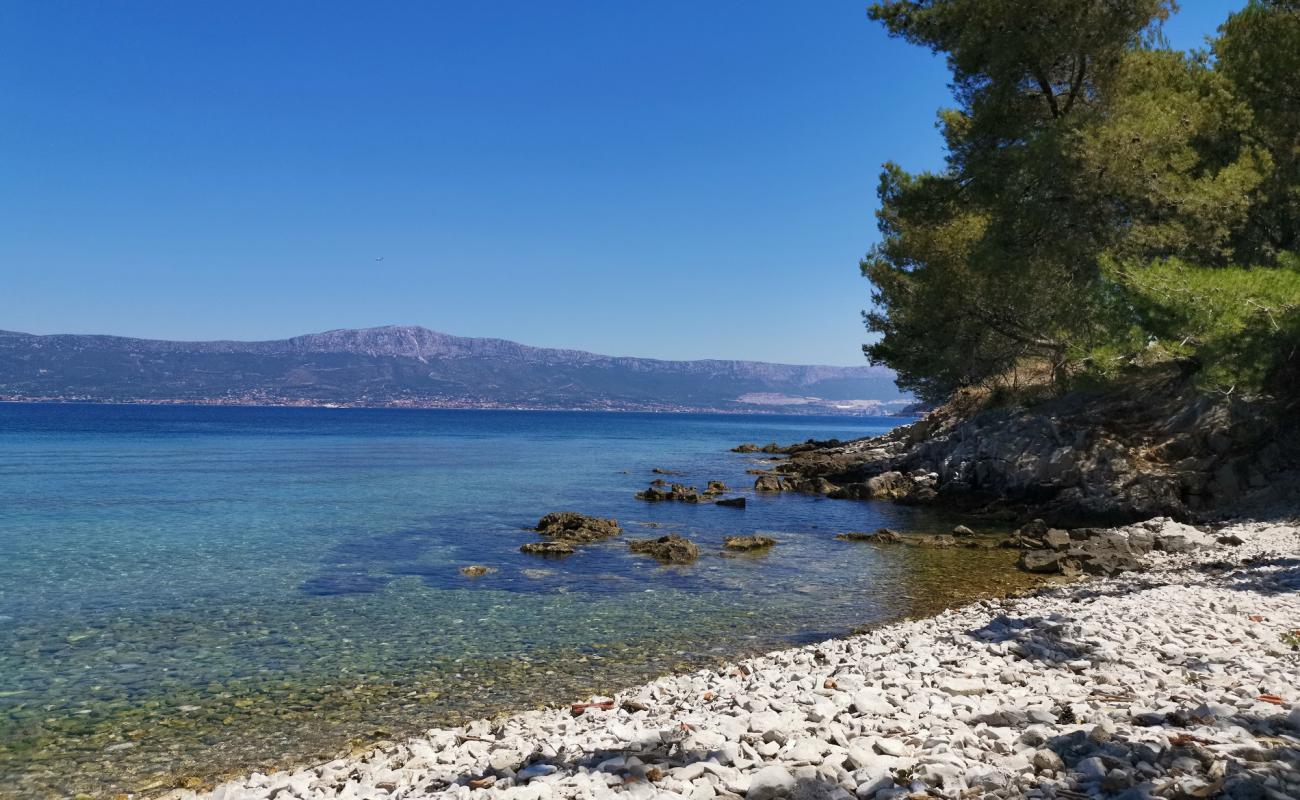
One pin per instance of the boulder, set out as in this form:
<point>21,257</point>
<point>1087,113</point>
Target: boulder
<point>962,530</point>
<point>716,487</point>
<point>889,486</point>
<point>732,502</point>
<point>570,526</point>
<point>670,549</point>
<point>767,483</point>
<point>851,491</point>
<point>1034,529</point>
<point>1057,539</point>
<point>813,485</point>
<point>1042,561</point>
<point>747,542</point>
<point>745,448</point>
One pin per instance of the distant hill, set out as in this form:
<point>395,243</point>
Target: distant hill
<point>413,366</point>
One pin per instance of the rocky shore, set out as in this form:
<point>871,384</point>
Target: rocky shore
<point>1104,458</point>
<point>1178,680</point>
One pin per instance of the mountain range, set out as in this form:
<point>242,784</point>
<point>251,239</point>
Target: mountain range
<point>414,366</point>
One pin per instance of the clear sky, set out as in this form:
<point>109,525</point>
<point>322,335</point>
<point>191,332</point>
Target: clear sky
<point>678,178</point>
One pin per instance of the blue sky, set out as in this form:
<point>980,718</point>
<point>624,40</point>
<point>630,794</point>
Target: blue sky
<point>677,178</point>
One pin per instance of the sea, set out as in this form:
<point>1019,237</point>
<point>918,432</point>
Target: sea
<point>189,593</point>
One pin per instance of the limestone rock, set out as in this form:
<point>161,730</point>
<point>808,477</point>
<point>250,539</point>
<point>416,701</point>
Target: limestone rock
<point>570,526</point>
<point>670,549</point>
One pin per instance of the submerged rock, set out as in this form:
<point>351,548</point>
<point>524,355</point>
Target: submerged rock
<point>938,541</point>
<point>880,536</point>
<point>732,502</point>
<point>570,526</point>
<point>747,542</point>
<point>670,549</point>
<point>476,570</point>
<point>552,549</point>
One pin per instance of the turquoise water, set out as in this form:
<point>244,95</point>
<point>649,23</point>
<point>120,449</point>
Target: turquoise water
<point>188,592</point>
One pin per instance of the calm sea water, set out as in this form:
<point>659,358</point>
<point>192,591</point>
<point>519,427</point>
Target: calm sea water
<point>188,592</point>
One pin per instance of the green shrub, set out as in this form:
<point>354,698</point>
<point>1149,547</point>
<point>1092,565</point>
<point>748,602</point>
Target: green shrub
<point>1239,325</point>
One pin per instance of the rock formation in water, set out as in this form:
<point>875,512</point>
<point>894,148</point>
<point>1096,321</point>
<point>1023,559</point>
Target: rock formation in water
<point>1114,457</point>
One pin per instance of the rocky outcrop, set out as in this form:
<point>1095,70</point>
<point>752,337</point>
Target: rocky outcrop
<point>1103,551</point>
<point>1156,448</point>
<point>670,549</point>
<point>570,526</point>
<point>680,493</point>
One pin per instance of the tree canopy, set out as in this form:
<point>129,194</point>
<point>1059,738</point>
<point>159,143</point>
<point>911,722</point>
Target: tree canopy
<point>1100,192</point>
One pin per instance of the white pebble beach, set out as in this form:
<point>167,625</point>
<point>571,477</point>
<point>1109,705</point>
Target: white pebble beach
<point>1178,681</point>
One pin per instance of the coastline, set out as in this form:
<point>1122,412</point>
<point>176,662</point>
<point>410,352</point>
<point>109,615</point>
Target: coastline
<point>760,411</point>
<point>1174,679</point>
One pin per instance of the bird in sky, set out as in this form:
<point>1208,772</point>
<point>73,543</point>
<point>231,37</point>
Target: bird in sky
<point>380,258</point>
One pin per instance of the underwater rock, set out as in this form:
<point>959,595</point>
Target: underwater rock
<point>747,542</point>
<point>881,536</point>
<point>552,549</point>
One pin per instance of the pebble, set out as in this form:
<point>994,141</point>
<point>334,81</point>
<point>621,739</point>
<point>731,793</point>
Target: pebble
<point>1080,690</point>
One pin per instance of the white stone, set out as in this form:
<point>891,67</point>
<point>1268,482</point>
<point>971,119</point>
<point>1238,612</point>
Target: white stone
<point>770,782</point>
<point>869,702</point>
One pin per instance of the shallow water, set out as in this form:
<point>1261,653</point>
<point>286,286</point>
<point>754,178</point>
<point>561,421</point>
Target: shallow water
<point>193,592</point>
